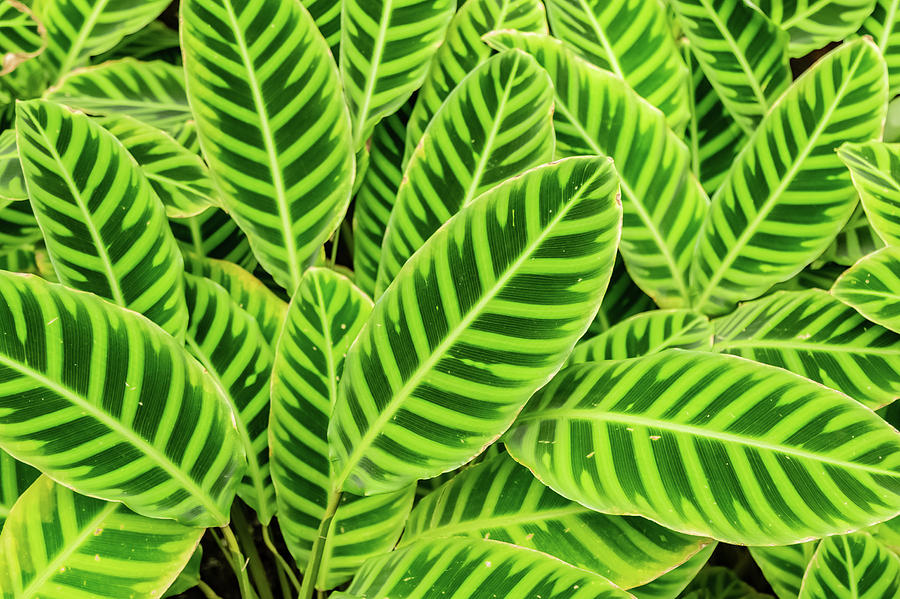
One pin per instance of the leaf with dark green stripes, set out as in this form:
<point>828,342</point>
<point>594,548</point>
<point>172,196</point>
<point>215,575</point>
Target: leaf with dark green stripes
<point>632,40</point>
<point>882,25</point>
<point>327,15</point>
<point>152,92</point>
<point>496,124</point>
<point>104,227</point>
<point>872,287</point>
<point>787,187</point>
<point>230,346</point>
<point>21,36</point>
<point>288,191</point>
<point>17,224</point>
<point>784,566</point>
<point>596,113</point>
<point>816,336</point>
<point>812,24</point>
<point>812,278</point>
<point>855,240</point>
<point>875,171</point>
<point>189,577</point>
<point>213,234</point>
<point>711,445</point>
<point>463,50</point>
<point>12,181</point>
<point>717,582</point>
<point>478,319</point>
<point>476,569</point>
<point>647,333</point>
<point>887,534</point>
<point>103,385</point>
<point>622,299</point>
<point>501,500</point>
<point>386,49</point>
<point>15,477</point>
<point>18,258</point>
<point>155,41</point>
<point>853,565</point>
<point>58,545</point>
<point>670,584</point>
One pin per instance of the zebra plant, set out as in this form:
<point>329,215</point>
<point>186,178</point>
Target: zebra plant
<point>409,299</point>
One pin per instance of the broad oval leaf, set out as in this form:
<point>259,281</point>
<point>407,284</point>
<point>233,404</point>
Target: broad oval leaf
<point>787,188</point>
<point>813,24</point>
<point>597,113</point>
<point>853,565</point>
<point>711,445</point>
<point>875,171</point>
<point>272,123</point>
<point>21,35</point>
<point>15,477</point>
<point>882,25</point>
<point>104,227</point>
<point>477,569</point>
<point>478,319</point>
<point>502,501</point>
<point>670,584</point>
<point>872,287</point>
<point>213,235</point>
<point>103,385</point>
<point>496,124</point>
<point>58,544</point>
<point>814,335</point>
<point>784,566</point>
<point>647,333</point>
<point>12,181</point>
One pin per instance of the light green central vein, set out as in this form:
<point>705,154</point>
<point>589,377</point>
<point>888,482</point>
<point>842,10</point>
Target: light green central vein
<point>727,345</point>
<point>601,37</point>
<point>888,26</point>
<point>852,582</point>
<point>377,50</point>
<point>85,31</point>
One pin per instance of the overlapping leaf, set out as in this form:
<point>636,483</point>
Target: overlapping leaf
<point>481,316</point>
<point>812,24</point>
<point>881,24</point>
<point>327,15</point>
<point>156,41</point>
<point>213,234</point>
<point>784,566</point>
<point>622,299</point>
<point>670,584</point>
<point>853,565</point>
<point>718,582</point>
<point>872,287</point>
<point>12,181</point>
<point>875,171</point>
<point>15,477</point>
<point>17,224</point>
<point>855,240</point>
<point>21,35</point>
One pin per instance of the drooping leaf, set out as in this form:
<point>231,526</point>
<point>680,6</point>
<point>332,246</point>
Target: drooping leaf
<point>272,123</point>
<point>875,171</point>
<point>855,240</point>
<point>784,566</point>
<point>816,336</point>
<point>104,227</point>
<point>155,41</point>
<point>813,24</point>
<point>853,565</point>
<point>15,477</point>
<point>872,287</point>
<point>496,124</point>
<point>670,584</point>
<point>103,385</point>
<point>21,35</point>
<point>596,113</point>
<point>882,24</point>
<point>720,583</point>
<point>58,544</point>
<point>213,234</point>
<point>787,187</point>
<point>478,319</point>
<point>711,445</point>
<point>12,181</point>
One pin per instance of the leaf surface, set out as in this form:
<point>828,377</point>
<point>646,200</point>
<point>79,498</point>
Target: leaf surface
<point>872,287</point>
<point>853,565</point>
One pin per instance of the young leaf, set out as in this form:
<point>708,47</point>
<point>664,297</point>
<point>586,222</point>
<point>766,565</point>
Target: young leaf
<point>787,188</point>
<point>478,319</point>
<point>812,24</point>
<point>853,565</point>
<point>872,287</point>
<point>213,235</point>
<point>784,566</point>
<point>670,584</point>
<point>882,26</point>
<point>21,35</point>
<point>15,477</point>
<point>875,171</point>
<point>272,123</point>
<point>711,445</point>
<point>103,385</point>
<point>12,181</point>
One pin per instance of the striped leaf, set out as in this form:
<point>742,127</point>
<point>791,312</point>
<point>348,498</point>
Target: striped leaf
<point>814,335</point>
<point>718,582</point>
<point>103,385</point>
<point>327,15</point>
<point>882,25</point>
<point>501,500</point>
<point>386,49</point>
<point>855,240</point>
<point>634,41</point>
<point>155,41</point>
<point>212,234</point>
<point>229,344</point>
<point>287,191</point>
<point>853,565</point>
<point>741,52</point>
<point>152,92</point>
<point>872,287</point>
<point>496,124</point>
<point>647,333</point>
<point>12,181</point>
<point>596,113</point>
<point>784,567</point>
<point>800,201</point>
<point>104,227</point>
<point>463,50</point>
<point>875,172</point>
<point>478,319</point>
<point>18,258</point>
<point>475,569</point>
<point>58,545</point>
<point>15,477</point>
<point>887,534</point>
<point>324,318</point>
<point>711,445</point>
<point>18,225</point>
<point>178,176</point>
<point>812,278</point>
<point>812,24</point>
<point>21,35</point>
<point>189,577</point>
<point>622,299</point>
<point>670,584</point>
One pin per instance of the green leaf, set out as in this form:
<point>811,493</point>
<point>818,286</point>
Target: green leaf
<point>597,113</point>
<point>496,124</point>
<point>154,41</point>
<point>327,15</point>
<point>189,577</point>
<point>386,49</point>
<point>853,565</point>
<point>477,569</point>
<point>632,40</point>
<point>647,333</point>
<point>622,299</point>
<point>742,53</point>
<point>816,336</point>
<point>12,181</point>
<point>812,278</point>
<point>854,241</point>
<point>812,24</point>
<point>152,92</point>
<point>58,545</point>
<point>787,188</point>
<point>179,177</point>
<point>324,318</point>
<point>784,567</point>
<point>501,500</point>
<point>478,319</point>
<point>720,583</point>
<point>230,346</point>
<point>872,287</point>
<point>18,225</point>
<point>15,477</point>
<point>18,258</point>
<point>887,534</point>
<point>875,171</point>
<point>670,584</point>
<point>711,445</point>
<point>463,50</point>
<point>881,24</point>
<point>272,123</point>
<point>21,35</point>
<point>103,385</point>
<point>104,227</point>
<point>212,234</point>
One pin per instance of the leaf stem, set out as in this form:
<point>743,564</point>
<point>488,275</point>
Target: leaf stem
<point>282,563</point>
<point>245,537</point>
<point>232,551</point>
<point>207,590</point>
<point>335,240</point>
<point>311,573</point>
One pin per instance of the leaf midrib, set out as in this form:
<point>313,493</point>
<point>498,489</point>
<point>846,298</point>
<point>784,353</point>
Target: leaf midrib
<point>725,345</point>
<point>852,581</point>
<point>83,33</point>
<point>368,92</point>
<point>601,36</point>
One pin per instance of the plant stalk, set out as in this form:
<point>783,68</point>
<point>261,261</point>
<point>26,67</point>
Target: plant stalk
<point>207,590</point>
<point>245,537</point>
<point>284,566</point>
<point>311,573</point>
<point>232,552</point>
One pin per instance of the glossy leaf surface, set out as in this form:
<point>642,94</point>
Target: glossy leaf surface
<point>854,565</point>
<point>872,287</point>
